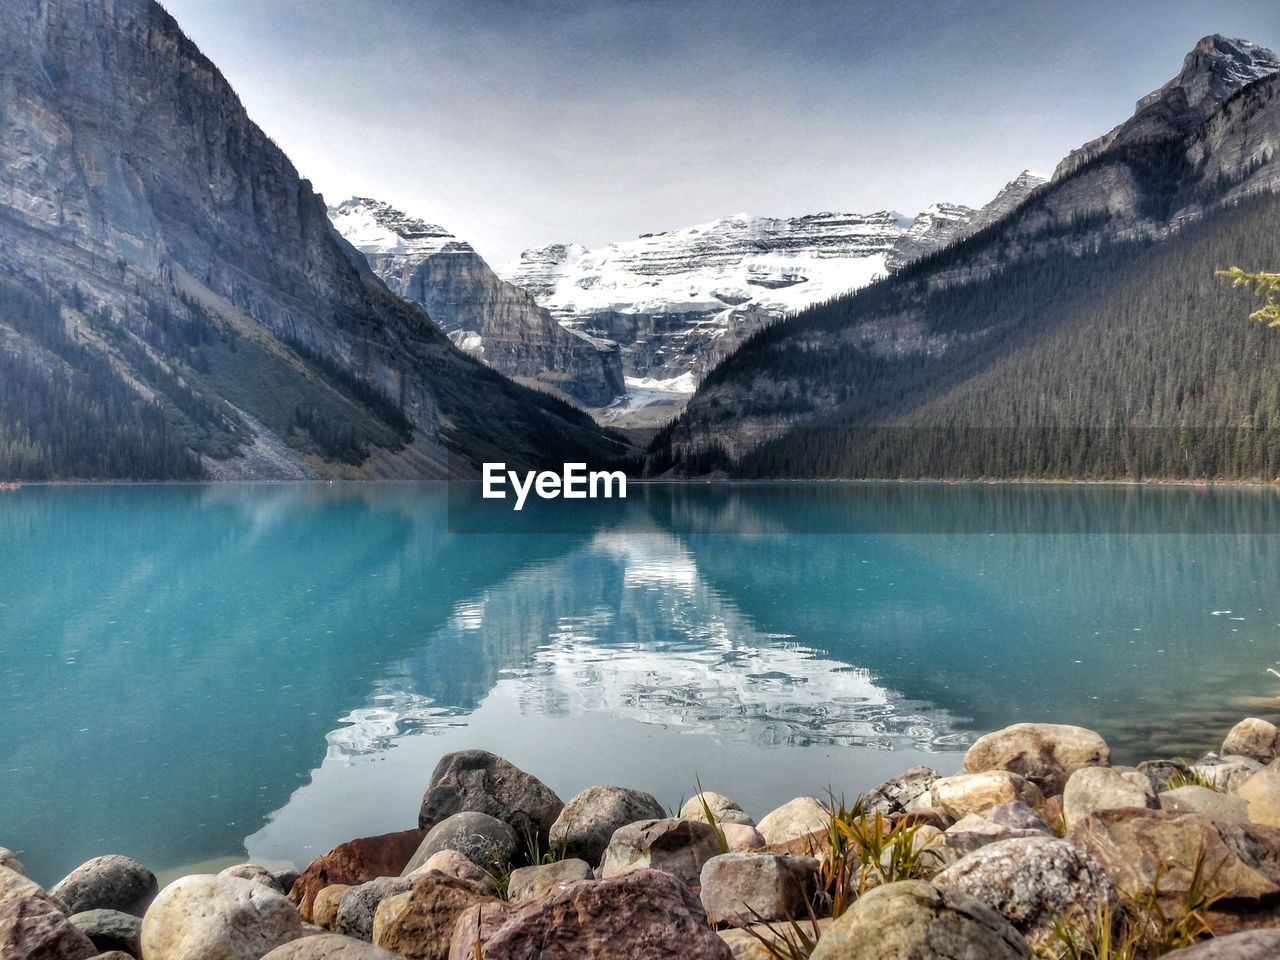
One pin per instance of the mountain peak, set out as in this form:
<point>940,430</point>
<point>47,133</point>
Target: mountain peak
<point>1216,67</point>
<point>376,227</point>
<point>1212,72</point>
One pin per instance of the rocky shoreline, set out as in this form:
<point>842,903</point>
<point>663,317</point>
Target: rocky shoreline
<point>1039,848</point>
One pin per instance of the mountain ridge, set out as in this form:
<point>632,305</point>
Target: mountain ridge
<point>482,314</point>
<point>162,252</point>
<point>852,388</point>
<point>678,301</point>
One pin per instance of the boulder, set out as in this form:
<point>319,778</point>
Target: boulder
<point>356,909</point>
<point>1034,883</point>
<point>353,863</point>
<point>915,919</point>
<point>1044,753</point>
<point>968,793</point>
<point>111,930</point>
<point>1101,788</point>
<point>533,883</point>
<point>1226,773</point>
<point>453,864</point>
<point>9,860</point>
<point>486,841</point>
<point>722,808</point>
<point>1135,846</point>
<point>1248,945</point>
<point>34,929</point>
<point>1261,794</point>
<point>795,818</point>
<point>741,837</point>
<point>1252,738</point>
<point>420,926</point>
<point>644,915</point>
<point>739,888</point>
<point>587,822</point>
<point>895,796</point>
<point>1207,803</point>
<point>678,847</point>
<point>115,955</point>
<point>324,908</point>
<point>475,781</point>
<point>14,885</point>
<point>255,873</point>
<point>329,946</point>
<point>224,917</point>
<point>108,883</point>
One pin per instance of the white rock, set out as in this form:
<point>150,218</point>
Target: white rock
<point>228,918</point>
<point>795,818</point>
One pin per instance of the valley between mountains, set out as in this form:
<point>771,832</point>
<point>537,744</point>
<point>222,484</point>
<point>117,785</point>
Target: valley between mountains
<point>176,302</point>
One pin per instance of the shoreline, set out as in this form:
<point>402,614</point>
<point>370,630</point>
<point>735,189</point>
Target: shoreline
<point>1040,841</point>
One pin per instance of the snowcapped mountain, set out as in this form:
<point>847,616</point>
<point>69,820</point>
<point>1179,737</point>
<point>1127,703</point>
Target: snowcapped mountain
<point>678,302</point>
<point>480,312</point>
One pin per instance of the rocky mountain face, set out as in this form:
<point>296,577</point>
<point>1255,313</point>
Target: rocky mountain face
<point>1215,69</point>
<point>679,302</point>
<point>169,284</point>
<point>482,314</point>
<point>1088,304</point>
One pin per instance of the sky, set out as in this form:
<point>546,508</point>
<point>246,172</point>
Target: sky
<point>517,123</point>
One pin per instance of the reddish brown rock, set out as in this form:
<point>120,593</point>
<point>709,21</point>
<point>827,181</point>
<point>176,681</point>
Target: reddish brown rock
<point>353,863</point>
<point>33,929</point>
<point>642,915</point>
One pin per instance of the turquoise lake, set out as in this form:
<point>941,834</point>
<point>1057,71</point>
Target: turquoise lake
<point>214,672</point>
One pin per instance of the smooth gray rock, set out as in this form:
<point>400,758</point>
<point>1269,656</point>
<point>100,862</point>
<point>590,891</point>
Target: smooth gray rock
<point>358,905</point>
<point>111,930</point>
<point>588,821</point>
<point>1248,945</point>
<point>679,847</point>
<point>108,883</point>
<point>915,920</point>
<point>476,781</point>
<point>484,840</point>
<point>741,888</point>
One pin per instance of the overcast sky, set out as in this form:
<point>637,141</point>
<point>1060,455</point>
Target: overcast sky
<point>517,123</point>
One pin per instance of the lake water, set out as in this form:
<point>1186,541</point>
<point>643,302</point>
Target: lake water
<point>197,672</point>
